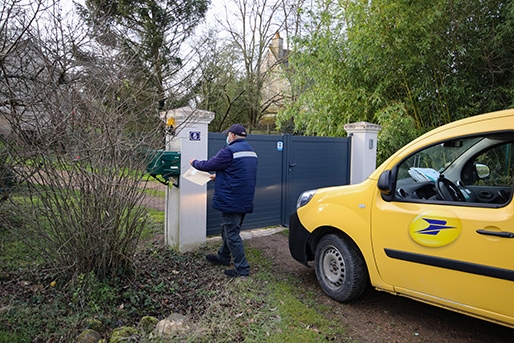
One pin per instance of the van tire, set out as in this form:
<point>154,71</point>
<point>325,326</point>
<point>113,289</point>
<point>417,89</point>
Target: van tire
<point>340,268</point>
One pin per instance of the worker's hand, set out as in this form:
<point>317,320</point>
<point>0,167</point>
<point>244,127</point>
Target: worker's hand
<point>213,177</point>
<point>191,161</point>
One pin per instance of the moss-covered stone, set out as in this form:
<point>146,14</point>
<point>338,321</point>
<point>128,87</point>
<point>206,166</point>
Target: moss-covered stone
<point>121,334</point>
<point>174,323</point>
<point>94,324</point>
<point>147,324</point>
<point>88,336</point>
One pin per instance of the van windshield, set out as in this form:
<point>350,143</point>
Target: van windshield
<point>427,164</point>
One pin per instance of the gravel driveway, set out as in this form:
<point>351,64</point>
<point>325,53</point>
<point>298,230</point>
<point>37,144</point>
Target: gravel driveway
<point>382,317</point>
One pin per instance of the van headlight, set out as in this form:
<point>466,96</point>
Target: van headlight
<point>304,198</point>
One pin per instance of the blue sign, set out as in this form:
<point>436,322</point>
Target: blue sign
<point>280,145</point>
<point>194,136</point>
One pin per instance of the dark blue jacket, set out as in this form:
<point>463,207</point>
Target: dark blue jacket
<point>236,172</point>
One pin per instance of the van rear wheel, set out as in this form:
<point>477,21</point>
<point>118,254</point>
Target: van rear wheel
<point>340,268</point>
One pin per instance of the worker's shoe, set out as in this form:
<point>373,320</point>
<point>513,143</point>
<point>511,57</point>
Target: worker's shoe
<point>215,260</point>
<point>233,273</point>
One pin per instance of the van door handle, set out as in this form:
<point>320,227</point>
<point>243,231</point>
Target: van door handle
<point>485,195</point>
<point>503,234</point>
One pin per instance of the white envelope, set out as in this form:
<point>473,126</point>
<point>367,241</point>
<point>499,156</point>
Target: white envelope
<point>197,176</point>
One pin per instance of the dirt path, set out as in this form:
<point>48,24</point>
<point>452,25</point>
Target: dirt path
<point>382,317</point>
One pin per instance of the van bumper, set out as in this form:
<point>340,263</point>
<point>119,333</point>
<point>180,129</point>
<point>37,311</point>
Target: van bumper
<point>298,239</point>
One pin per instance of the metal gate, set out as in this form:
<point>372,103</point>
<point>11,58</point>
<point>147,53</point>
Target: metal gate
<point>288,165</point>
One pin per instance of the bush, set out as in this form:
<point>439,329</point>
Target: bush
<point>7,179</point>
<point>398,129</point>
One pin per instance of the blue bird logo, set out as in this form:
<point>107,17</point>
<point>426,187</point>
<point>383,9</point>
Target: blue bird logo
<point>434,227</point>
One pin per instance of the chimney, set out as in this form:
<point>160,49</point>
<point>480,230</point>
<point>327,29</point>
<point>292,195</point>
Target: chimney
<point>276,46</point>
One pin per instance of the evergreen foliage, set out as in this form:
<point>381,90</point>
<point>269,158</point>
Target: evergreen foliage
<point>419,64</point>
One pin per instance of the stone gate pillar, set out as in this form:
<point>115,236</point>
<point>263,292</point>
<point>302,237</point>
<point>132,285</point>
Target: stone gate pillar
<point>186,204</point>
<point>363,149</point>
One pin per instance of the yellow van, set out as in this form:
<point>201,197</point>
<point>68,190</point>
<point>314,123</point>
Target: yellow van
<point>435,222</point>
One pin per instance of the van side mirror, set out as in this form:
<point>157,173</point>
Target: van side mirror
<point>482,170</point>
<point>385,183</point>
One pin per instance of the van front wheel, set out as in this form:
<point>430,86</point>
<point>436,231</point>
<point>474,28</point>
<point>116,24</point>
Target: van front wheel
<point>340,268</point>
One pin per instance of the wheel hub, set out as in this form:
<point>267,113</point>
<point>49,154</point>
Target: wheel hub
<point>333,266</point>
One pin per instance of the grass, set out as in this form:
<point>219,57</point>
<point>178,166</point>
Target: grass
<point>265,308</point>
<point>156,223</point>
<point>262,308</point>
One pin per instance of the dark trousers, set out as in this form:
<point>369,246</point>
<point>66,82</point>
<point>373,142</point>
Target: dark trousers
<point>232,244</point>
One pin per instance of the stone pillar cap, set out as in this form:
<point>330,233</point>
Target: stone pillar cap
<point>362,126</point>
<point>188,114</point>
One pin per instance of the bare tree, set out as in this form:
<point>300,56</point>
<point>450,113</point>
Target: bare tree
<point>217,84</point>
<point>72,139</point>
<point>251,25</point>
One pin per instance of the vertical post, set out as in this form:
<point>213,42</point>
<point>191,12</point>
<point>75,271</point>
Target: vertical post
<point>186,205</point>
<point>363,149</point>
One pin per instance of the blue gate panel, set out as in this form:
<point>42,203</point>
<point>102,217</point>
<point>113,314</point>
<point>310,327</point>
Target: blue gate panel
<point>268,190</point>
<point>216,142</point>
<point>288,165</point>
<point>311,163</point>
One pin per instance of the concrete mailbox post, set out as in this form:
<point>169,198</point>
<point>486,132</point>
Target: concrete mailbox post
<point>186,204</point>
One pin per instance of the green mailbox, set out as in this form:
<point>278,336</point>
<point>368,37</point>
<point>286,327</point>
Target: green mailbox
<point>165,164</point>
